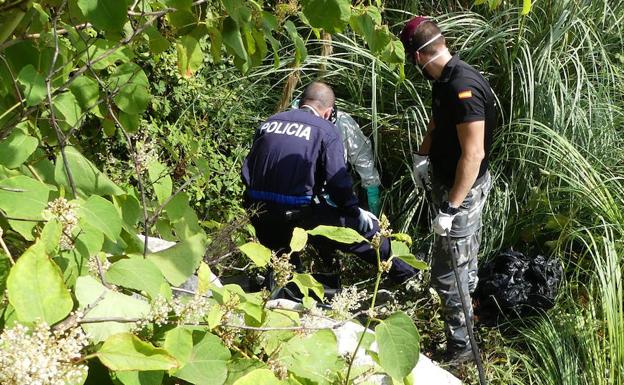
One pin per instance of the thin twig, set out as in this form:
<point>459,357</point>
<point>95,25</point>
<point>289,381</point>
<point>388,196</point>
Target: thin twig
<point>5,248</point>
<point>61,31</point>
<point>101,273</point>
<point>61,138</point>
<point>154,216</point>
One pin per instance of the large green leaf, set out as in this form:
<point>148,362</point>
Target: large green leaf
<point>111,305</point>
<point>161,181</point>
<point>338,234</point>
<point>105,14</point>
<point>25,198</point>
<point>136,273</point>
<point>88,179</point>
<point>233,39</point>
<point>399,345</point>
<point>99,49</point>
<point>299,239</point>
<point>5,267</point>
<point>130,377</point>
<point>238,367</point>
<point>207,363</point>
<point>258,253</point>
<point>101,214</point>
<point>33,85</point>
<point>36,288</point>
<point>125,351</point>
<point>401,250</point>
<point>526,6</point>
<point>179,343</point>
<point>313,358</point>
<point>330,15</point>
<point>190,55</point>
<point>306,282</point>
<point>133,88</point>
<point>179,262</point>
<point>86,91</point>
<point>67,110</point>
<point>16,148</point>
<point>301,51</point>
<point>259,376</point>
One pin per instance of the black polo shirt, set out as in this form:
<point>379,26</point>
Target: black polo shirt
<point>460,95</point>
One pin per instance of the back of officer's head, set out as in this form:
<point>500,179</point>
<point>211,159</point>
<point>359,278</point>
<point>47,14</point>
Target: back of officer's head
<point>318,95</point>
<point>418,32</point>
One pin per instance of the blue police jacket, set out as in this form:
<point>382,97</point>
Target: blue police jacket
<point>295,155</point>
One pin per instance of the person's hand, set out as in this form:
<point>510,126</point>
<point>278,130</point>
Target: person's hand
<point>443,222</point>
<point>421,170</point>
<point>366,221</point>
<point>372,193</point>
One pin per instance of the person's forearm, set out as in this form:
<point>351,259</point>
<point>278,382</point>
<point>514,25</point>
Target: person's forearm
<point>465,176</point>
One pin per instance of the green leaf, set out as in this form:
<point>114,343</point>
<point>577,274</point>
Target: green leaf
<point>258,253</point>
<point>51,235</point>
<point>238,10</point>
<point>25,198</point>
<point>190,55</point>
<point>301,51</point>
<point>105,14</point>
<point>313,358</point>
<point>86,91</point>
<point>207,364</point>
<point>157,42</point>
<point>179,343</point>
<point>238,367</point>
<point>33,85</point>
<point>111,305</point>
<point>204,278</point>
<point>133,96</point>
<point>88,179</point>
<point>526,6</point>
<point>160,179</point>
<point>154,377</point>
<point>338,234</point>
<point>136,273</point>
<point>259,376</point>
<point>17,148</point>
<point>299,239</point>
<point>215,316</point>
<point>67,110</point>
<point>179,262</point>
<point>330,15</point>
<point>233,39</point>
<point>305,283</point>
<point>5,267</point>
<point>125,351</point>
<point>399,345</point>
<point>36,288</point>
<point>101,214</point>
<point>100,48</point>
<point>401,250</point>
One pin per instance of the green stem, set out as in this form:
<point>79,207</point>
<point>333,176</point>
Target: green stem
<point>370,318</point>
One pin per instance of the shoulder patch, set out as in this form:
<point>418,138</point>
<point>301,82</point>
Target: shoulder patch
<point>465,94</point>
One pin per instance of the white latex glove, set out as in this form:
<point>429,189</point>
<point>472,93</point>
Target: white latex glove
<point>443,223</point>
<point>421,170</point>
<point>366,221</point>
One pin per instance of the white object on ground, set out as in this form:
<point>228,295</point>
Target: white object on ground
<point>426,371</point>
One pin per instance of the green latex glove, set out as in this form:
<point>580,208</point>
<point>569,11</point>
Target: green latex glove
<point>372,193</point>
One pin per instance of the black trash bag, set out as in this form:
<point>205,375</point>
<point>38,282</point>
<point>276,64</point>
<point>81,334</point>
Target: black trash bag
<point>512,285</point>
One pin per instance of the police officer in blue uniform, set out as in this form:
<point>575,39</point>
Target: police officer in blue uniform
<point>296,155</point>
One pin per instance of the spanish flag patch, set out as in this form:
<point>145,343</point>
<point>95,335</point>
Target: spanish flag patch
<point>465,94</point>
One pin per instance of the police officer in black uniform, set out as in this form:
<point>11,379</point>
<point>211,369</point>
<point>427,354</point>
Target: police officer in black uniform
<point>456,145</point>
<point>297,157</point>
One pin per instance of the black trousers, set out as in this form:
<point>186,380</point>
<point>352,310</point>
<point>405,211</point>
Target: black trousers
<point>274,229</point>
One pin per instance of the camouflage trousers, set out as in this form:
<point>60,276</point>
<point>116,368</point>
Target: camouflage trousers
<point>464,240</point>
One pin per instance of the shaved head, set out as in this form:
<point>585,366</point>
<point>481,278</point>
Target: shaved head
<point>318,94</point>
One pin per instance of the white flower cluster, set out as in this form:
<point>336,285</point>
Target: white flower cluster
<point>41,357</point>
<point>282,269</point>
<point>92,265</point>
<point>346,301</point>
<point>144,155</point>
<point>65,212</point>
<point>192,311</point>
